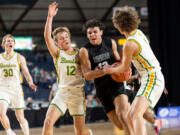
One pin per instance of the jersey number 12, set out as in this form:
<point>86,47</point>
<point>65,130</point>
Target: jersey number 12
<point>71,70</point>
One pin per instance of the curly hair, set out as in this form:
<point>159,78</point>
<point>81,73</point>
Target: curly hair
<point>126,19</point>
<point>59,30</point>
<point>93,23</point>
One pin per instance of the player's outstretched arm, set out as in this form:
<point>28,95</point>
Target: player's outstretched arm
<point>52,11</point>
<point>26,73</point>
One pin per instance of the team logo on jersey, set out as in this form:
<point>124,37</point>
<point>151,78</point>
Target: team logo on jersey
<point>64,60</point>
<point>101,57</point>
<point>7,65</point>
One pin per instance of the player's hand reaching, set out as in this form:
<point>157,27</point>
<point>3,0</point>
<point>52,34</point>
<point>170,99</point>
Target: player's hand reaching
<point>53,9</point>
<point>33,86</point>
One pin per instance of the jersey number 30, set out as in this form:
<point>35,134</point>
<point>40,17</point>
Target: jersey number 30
<point>71,70</point>
<point>8,72</point>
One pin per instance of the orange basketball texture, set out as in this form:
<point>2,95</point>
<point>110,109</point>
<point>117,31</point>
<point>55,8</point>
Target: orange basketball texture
<point>122,76</point>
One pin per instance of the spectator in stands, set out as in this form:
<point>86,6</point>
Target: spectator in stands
<point>35,72</point>
<point>89,87</point>
<point>90,101</point>
<point>10,84</point>
<point>29,104</point>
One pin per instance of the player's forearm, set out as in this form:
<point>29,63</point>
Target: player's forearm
<point>28,78</point>
<point>48,29</point>
<point>93,74</point>
<point>121,69</point>
<point>49,40</point>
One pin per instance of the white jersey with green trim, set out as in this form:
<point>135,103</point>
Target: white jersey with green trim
<point>145,61</point>
<point>68,69</point>
<point>10,70</point>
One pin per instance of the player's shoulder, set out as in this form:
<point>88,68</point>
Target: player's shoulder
<point>20,57</point>
<point>130,43</point>
<point>18,54</point>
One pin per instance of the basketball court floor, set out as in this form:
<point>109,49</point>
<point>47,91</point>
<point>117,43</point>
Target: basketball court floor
<point>102,128</point>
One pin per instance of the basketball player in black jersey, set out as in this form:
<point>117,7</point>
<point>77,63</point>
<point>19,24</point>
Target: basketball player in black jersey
<point>98,52</point>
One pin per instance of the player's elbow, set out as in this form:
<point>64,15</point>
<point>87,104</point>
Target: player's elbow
<point>87,77</point>
<point>46,37</point>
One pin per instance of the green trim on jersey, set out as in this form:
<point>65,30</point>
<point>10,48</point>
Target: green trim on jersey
<point>77,114</point>
<point>20,75</point>
<point>22,90</point>
<point>146,61</point>
<point>84,102</point>
<point>151,107</point>
<point>146,85</point>
<point>155,78</point>
<point>75,50</point>
<point>142,65</point>
<point>55,64</point>
<point>146,64</point>
<point>140,48</point>
<point>22,108</point>
<point>9,57</point>
<point>151,87</point>
<point>84,106</point>
<point>5,101</point>
<point>133,33</point>
<point>11,105</point>
<point>58,108</point>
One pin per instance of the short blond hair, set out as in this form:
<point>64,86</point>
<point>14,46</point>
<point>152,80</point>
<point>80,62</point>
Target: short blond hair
<point>60,30</point>
<point>126,19</point>
<point>5,37</point>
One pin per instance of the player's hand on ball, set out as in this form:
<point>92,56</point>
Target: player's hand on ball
<point>97,68</point>
<point>115,64</point>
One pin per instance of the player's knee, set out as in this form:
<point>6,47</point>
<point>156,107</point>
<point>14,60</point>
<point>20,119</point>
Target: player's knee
<point>122,116</point>
<point>21,119</point>
<point>80,131</point>
<point>132,115</point>
<point>48,123</point>
<point>2,115</point>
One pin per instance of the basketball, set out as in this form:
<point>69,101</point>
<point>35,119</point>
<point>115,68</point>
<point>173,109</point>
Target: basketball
<point>122,76</point>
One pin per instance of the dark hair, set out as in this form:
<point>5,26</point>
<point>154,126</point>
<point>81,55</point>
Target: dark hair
<point>93,23</point>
